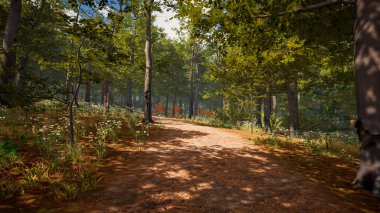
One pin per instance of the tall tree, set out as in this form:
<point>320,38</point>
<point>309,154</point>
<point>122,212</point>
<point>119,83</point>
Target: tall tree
<point>9,51</point>
<point>367,78</point>
<point>148,61</point>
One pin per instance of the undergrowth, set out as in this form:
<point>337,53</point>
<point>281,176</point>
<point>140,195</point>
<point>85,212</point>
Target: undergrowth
<point>35,153</point>
<point>342,144</point>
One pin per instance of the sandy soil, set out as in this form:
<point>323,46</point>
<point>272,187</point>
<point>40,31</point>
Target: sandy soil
<point>192,168</point>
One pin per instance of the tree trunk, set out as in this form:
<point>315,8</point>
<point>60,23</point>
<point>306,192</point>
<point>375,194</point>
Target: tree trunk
<point>293,107</point>
<point>367,78</point>
<point>9,52</point>
<point>20,76</point>
<point>258,113</point>
<point>267,109</point>
<point>192,85</point>
<point>106,95</point>
<point>274,104</point>
<point>76,91</point>
<point>148,62</point>
<point>174,104</point>
<point>180,106</point>
<point>68,85</point>
<point>111,95</point>
<point>128,97</point>
<point>196,102</point>
<point>87,94</point>
<point>221,102</point>
<point>166,105</point>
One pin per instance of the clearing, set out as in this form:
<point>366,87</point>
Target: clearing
<point>191,168</point>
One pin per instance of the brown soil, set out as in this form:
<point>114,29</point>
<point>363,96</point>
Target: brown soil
<point>191,168</point>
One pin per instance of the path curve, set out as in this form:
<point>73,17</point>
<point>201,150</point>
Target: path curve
<point>192,168</point>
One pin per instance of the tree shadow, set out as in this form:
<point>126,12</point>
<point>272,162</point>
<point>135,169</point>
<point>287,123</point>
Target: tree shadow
<point>172,175</point>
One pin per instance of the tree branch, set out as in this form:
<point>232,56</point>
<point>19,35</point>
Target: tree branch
<point>312,7</point>
<point>324,4</point>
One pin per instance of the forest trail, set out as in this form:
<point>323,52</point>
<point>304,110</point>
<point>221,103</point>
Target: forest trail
<point>191,168</point>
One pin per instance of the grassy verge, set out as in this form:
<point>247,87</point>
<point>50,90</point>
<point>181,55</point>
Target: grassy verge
<point>336,144</point>
<point>37,159</point>
<point>332,144</point>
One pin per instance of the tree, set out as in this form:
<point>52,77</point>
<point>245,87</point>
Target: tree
<point>148,60</point>
<point>7,78</point>
<point>367,78</point>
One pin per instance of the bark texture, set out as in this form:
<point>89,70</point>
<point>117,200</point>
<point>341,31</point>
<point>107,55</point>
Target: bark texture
<point>259,122</point>
<point>367,79</point>
<point>293,108</point>
<point>174,104</point>
<point>148,62</point>
<point>166,105</point>
<point>267,109</point>
<point>192,83</point>
<point>9,52</point>
<point>105,95</point>
<point>87,94</point>
<point>21,72</point>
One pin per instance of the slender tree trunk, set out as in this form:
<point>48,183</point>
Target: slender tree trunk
<point>210,105</point>
<point>196,102</point>
<point>274,104</point>
<point>166,105</point>
<point>20,75</point>
<point>180,106</point>
<point>102,95</point>
<point>192,84</point>
<point>367,78</point>
<point>87,95</point>
<point>68,84</point>
<point>129,99</point>
<point>129,96</point>
<point>106,95</point>
<point>111,95</point>
<point>293,107</point>
<point>9,52</point>
<point>76,91</point>
<point>221,102</point>
<point>148,62</point>
<point>267,109</point>
<point>174,104</point>
<point>76,99</point>
<point>191,105</point>
<point>259,122</point>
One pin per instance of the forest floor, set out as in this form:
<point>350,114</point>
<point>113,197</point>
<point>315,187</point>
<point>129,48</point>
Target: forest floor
<point>191,168</point>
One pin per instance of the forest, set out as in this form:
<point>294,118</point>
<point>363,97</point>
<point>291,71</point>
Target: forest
<point>244,106</point>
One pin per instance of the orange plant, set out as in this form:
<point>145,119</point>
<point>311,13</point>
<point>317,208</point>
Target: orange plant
<point>159,108</point>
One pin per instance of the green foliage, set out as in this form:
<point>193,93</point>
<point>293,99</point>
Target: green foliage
<point>8,152</point>
<point>272,141</point>
<point>332,143</point>
<point>276,123</point>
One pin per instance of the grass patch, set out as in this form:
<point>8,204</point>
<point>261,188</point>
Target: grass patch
<point>36,157</point>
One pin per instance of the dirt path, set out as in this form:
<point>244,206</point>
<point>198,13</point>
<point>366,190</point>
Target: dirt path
<point>191,168</point>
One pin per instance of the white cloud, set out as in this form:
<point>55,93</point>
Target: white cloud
<point>164,21</point>
<point>69,12</point>
<point>104,12</point>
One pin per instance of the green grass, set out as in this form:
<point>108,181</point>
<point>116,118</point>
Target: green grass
<point>35,152</point>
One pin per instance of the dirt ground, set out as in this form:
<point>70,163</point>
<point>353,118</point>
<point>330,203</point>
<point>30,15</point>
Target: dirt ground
<point>192,168</point>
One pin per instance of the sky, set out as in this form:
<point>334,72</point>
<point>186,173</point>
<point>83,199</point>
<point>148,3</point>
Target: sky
<point>163,21</point>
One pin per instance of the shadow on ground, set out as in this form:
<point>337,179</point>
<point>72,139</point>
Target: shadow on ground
<point>175,175</point>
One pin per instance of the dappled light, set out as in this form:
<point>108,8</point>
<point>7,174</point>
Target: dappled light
<point>179,171</point>
<point>189,106</point>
